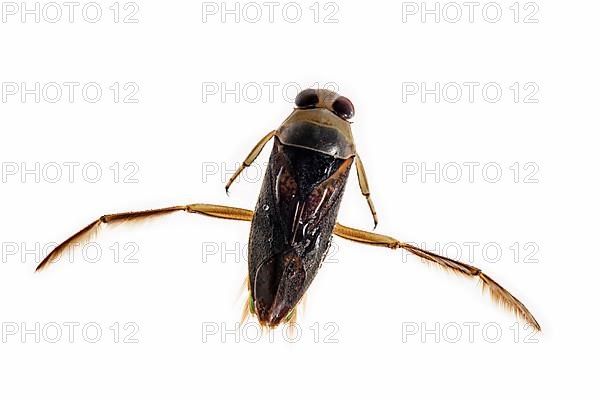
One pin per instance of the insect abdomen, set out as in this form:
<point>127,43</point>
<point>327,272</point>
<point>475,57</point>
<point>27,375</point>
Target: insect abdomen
<point>292,226</point>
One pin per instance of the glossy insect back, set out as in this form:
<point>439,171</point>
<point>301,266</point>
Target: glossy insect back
<point>292,226</point>
<point>297,207</point>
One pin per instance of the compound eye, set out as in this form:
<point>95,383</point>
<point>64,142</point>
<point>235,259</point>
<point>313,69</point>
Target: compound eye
<point>343,108</point>
<point>307,98</point>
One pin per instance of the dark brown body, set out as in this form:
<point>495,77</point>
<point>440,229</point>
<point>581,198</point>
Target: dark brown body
<point>295,215</point>
<point>297,209</point>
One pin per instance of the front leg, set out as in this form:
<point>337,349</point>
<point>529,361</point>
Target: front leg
<point>364,188</point>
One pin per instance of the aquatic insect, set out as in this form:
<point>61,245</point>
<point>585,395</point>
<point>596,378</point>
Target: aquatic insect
<point>295,216</point>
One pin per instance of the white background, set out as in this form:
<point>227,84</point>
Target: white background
<point>176,133</point>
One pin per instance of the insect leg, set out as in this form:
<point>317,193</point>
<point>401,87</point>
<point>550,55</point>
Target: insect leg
<point>84,234</point>
<point>497,292</point>
<point>251,157</point>
<point>364,187</point>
